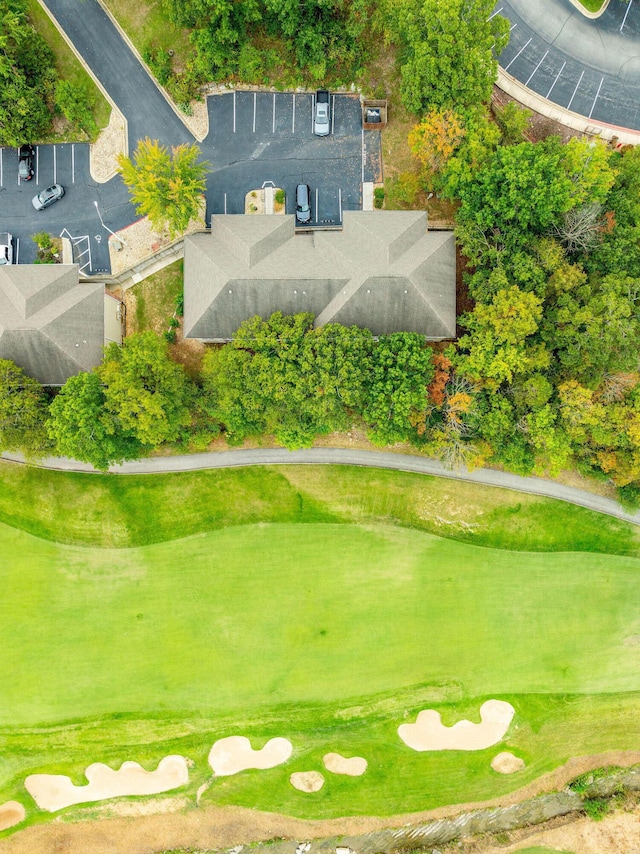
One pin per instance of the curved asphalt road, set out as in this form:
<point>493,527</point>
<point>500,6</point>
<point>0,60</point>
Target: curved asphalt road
<point>348,457</point>
<point>111,60</point>
<point>591,67</point>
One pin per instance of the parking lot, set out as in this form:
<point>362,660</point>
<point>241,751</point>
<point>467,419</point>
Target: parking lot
<point>254,139</point>
<point>257,138</point>
<point>75,214</point>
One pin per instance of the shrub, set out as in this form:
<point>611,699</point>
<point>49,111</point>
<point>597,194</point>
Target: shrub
<point>378,197</point>
<point>75,101</point>
<point>279,197</point>
<point>596,808</point>
<point>179,304</point>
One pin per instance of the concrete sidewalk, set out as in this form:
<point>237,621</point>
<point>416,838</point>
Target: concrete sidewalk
<point>348,457</point>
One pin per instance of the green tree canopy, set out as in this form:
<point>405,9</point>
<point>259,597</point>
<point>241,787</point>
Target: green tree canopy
<point>82,427</point>
<point>448,51</point>
<point>23,411</point>
<point>165,186</point>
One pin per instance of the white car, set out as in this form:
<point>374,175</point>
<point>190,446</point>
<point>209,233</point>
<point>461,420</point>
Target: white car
<point>322,117</point>
<point>6,248</point>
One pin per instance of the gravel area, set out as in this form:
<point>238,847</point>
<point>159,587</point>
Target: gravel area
<point>111,142</point>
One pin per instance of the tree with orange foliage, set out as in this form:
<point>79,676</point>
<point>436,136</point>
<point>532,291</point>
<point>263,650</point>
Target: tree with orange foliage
<point>436,139</point>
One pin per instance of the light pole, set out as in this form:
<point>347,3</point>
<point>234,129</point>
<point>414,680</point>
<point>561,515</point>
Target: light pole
<point>106,227</point>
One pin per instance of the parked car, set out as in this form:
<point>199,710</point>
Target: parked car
<point>6,248</point>
<point>303,203</point>
<point>47,197</point>
<point>25,162</point>
<point>322,117</point>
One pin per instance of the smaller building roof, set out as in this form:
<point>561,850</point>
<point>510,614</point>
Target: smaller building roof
<point>50,325</point>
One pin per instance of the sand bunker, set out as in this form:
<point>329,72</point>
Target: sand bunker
<point>507,763</point>
<point>307,781</point>
<point>233,754</point>
<point>55,792</point>
<point>11,813</point>
<point>429,733</point>
<point>337,764</point>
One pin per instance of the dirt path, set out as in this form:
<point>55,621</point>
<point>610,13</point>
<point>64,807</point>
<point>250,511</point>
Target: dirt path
<point>222,827</point>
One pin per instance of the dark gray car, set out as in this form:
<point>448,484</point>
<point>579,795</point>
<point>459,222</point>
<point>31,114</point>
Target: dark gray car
<point>303,203</point>
<point>47,197</point>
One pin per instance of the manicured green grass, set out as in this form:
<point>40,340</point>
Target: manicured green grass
<point>312,603</point>
<point>592,5</point>
<point>132,511</point>
<point>303,614</point>
<point>154,300</point>
<point>69,68</point>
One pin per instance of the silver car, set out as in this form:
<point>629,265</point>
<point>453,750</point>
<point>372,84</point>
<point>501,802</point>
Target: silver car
<point>47,197</point>
<point>322,117</point>
<point>6,248</point>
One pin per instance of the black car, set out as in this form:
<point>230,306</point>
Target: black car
<point>25,162</point>
<point>303,203</point>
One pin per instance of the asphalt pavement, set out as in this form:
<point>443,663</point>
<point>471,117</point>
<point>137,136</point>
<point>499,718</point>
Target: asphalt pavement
<point>591,67</point>
<point>349,457</point>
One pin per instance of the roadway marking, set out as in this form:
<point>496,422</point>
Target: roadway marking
<point>596,98</point>
<point>234,112</point>
<point>524,47</point>
<point>362,152</point>
<point>1,167</point>
<point>17,250</point>
<point>73,163</point>
<point>293,118</point>
<point>556,80</point>
<point>313,111</point>
<point>575,90</point>
<point>273,126</point>
<point>254,111</point>
<point>340,201</point>
<point>76,243</point>
<point>537,67</point>
<point>225,203</point>
<point>624,20</point>
<point>497,12</point>
<point>317,211</point>
<point>37,164</point>
<point>55,166</point>
<point>512,27</point>
<point>18,153</point>
<point>333,111</point>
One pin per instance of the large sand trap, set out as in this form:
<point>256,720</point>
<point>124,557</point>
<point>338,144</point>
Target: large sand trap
<point>11,813</point>
<point>337,764</point>
<point>54,791</point>
<point>233,754</point>
<point>307,781</point>
<point>507,763</point>
<point>429,733</point>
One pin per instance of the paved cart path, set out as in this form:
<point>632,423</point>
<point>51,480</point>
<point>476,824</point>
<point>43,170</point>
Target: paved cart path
<point>348,457</point>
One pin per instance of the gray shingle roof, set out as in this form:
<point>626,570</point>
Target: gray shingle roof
<point>383,271</point>
<point>50,325</point>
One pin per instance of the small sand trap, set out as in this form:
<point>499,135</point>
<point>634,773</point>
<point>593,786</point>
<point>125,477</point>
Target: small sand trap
<point>307,781</point>
<point>233,754</point>
<point>11,813</point>
<point>429,733</point>
<point>55,792</point>
<point>507,763</point>
<point>337,764</point>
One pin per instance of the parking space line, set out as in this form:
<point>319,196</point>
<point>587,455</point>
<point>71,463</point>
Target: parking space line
<point>293,117</point>
<point>254,111</point>
<point>537,67</point>
<point>575,90</point>
<point>596,98</point>
<point>55,166</point>
<point>225,204</point>
<point>333,111</point>
<point>37,163</point>
<point>317,212</point>
<point>273,126</point>
<point>524,47</point>
<point>624,20</point>
<point>1,167</point>
<point>17,250</point>
<point>362,152</point>
<point>313,110</point>
<point>340,201</point>
<point>512,27</point>
<point>73,163</point>
<point>556,80</point>
<point>234,112</point>
<point>497,12</point>
<point>18,153</point>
